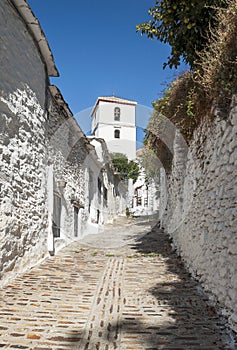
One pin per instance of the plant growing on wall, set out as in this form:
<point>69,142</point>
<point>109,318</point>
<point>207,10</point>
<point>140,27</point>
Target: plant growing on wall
<point>184,24</point>
<point>217,72</point>
<point>197,94</point>
<point>180,105</point>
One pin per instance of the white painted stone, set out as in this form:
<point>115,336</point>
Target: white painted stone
<point>207,239</point>
<point>43,154</point>
<point>22,144</point>
<point>104,124</point>
<point>232,249</point>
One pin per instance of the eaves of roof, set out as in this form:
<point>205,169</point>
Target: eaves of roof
<point>36,31</point>
<point>71,121</point>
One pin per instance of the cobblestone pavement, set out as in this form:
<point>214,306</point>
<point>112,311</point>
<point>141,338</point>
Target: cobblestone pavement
<point>124,289</point>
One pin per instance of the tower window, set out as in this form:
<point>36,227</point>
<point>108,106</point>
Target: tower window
<point>117,134</point>
<point>117,113</point>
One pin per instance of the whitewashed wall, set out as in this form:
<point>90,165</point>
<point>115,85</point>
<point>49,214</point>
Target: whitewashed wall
<point>104,125</point>
<point>22,146</point>
<point>201,210</point>
<point>79,163</point>
<point>41,148</point>
<point>115,202</point>
<point>67,151</point>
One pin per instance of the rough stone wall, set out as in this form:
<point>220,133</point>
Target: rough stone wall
<point>44,156</point>
<point>67,152</point>
<point>22,146</point>
<point>199,209</point>
<point>71,158</point>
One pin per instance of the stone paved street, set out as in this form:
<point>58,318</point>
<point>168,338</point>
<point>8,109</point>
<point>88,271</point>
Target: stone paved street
<point>122,290</point>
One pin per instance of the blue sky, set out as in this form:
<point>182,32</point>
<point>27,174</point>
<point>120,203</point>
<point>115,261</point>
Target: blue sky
<point>98,52</point>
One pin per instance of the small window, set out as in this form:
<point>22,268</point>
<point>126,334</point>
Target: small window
<point>105,193</point>
<point>99,185</point>
<point>98,217</point>
<point>56,215</point>
<point>117,134</point>
<point>117,113</point>
<point>76,212</point>
<point>99,189</point>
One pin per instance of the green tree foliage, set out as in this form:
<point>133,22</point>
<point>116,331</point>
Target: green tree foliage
<point>133,170</point>
<point>184,24</point>
<point>150,162</point>
<point>200,94</point>
<point>126,169</point>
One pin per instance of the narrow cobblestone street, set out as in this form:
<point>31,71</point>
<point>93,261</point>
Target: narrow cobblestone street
<point>122,289</point>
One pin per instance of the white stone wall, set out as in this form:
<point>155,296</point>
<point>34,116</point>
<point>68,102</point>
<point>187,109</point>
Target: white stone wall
<point>66,154</point>
<point>110,201</point>
<point>144,190</point>
<point>43,153</point>
<point>22,146</point>
<point>79,163</point>
<point>201,210</point>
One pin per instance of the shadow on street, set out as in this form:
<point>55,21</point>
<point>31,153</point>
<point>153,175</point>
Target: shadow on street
<point>194,325</point>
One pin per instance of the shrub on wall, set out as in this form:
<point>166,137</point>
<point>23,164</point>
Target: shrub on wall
<point>180,104</point>
<point>196,94</point>
<point>217,72</point>
<point>184,25</point>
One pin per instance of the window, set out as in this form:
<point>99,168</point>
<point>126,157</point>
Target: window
<point>99,185</point>
<point>76,212</point>
<point>105,191</point>
<point>91,186</point>
<point>98,216</point>
<point>117,113</point>
<point>117,134</point>
<point>56,215</point>
<point>99,190</point>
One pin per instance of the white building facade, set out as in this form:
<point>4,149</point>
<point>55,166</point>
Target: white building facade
<point>54,187</point>
<point>145,199</point>
<point>114,120</point>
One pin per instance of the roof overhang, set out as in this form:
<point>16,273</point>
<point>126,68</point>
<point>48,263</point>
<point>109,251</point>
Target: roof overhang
<point>65,110</point>
<point>34,27</point>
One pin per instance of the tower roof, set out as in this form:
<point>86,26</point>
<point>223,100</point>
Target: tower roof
<point>113,99</point>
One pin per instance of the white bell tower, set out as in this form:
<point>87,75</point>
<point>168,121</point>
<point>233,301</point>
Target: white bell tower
<point>114,120</point>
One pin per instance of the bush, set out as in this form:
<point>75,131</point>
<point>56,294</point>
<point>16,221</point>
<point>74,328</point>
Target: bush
<point>217,73</point>
<point>195,95</point>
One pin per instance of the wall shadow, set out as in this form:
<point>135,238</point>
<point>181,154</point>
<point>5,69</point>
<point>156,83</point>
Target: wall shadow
<point>195,324</point>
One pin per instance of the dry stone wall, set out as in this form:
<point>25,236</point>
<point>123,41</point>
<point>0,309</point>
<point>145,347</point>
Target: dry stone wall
<point>199,209</point>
